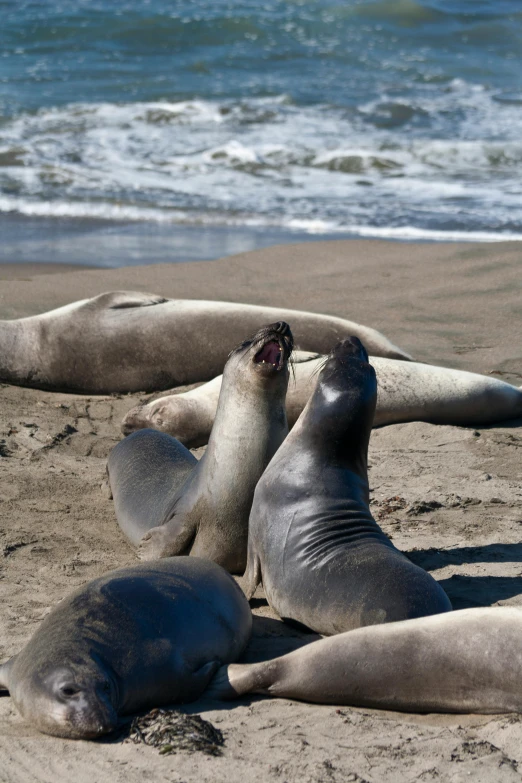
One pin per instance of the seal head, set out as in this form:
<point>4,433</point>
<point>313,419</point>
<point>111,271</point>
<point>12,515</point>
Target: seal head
<point>69,700</point>
<point>344,402</point>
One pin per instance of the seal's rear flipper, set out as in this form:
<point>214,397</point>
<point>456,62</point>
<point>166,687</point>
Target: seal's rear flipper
<point>146,471</point>
<point>300,357</point>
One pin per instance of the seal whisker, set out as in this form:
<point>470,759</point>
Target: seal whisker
<point>319,367</point>
<point>291,368</point>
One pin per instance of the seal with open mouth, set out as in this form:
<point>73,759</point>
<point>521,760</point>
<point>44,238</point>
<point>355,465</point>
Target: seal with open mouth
<point>169,503</point>
<point>323,560</point>
<point>135,638</point>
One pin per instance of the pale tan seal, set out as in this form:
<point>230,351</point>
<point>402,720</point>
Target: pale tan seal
<point>127,341</point>
<point>465,661</point>
<point>407,391</point>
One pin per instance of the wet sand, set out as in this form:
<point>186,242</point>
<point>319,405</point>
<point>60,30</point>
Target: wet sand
<point>454,304</point>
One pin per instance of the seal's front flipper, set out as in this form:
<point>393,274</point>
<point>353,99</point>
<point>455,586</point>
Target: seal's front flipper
<point>106,485</point>
<point>119,300</point>
<point>198,680</point>
<point>173,538</point>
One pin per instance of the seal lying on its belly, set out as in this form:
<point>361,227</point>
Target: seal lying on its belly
<point>171,504</point>
<point>127,341</point>
<point>312,541</point>
<point>407,391</point>
<point>133,639</point>
<point>465,661</point>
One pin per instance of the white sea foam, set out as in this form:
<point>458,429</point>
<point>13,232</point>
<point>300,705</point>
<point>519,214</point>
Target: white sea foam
<point>129,214</point>
<point>267,162</point>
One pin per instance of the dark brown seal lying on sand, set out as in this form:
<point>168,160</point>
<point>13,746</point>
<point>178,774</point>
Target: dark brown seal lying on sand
<point>135,638</point>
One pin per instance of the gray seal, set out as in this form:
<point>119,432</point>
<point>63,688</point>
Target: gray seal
<point>133,639</point>
<point>169,503</point>
<point>323,560</point>
<point>465,661</point>
<point>126,341</point>
<point>406,391</point>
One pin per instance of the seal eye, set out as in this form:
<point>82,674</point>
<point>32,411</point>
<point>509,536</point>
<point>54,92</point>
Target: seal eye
<point>69,690</point>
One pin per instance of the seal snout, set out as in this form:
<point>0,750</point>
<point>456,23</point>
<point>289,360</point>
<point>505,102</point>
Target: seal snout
<point>347,371</point>
<point>281,327</point>
<point>134,419</point>
<point>351,347</point>
<point>85,714</point>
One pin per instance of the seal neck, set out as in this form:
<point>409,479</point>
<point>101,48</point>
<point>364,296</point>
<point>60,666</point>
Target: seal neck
<point>16,351</point>
<point>248,417</point>
<point>337,424</point>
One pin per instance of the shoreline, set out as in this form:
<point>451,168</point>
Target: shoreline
<point>98,243</point>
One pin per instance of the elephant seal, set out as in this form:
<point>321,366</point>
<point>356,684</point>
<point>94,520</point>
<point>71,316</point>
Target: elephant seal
<point>406,391</point>
<point>465,661</point>
<point>133,639</point>
<point>171,504</point>
<point>145,472</point>
<point>323,560</point>
<point>126,341</point>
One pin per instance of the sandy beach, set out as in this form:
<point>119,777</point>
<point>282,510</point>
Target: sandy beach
<point>450,497</point>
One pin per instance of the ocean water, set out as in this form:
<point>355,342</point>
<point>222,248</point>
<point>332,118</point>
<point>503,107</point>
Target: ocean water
<point>163,130</point>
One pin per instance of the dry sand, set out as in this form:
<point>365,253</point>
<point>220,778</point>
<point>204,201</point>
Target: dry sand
<point>453,304</point>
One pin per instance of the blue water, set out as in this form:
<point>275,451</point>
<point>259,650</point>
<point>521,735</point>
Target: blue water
<point>389,118</point>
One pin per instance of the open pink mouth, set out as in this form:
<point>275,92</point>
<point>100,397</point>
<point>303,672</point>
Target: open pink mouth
<point>270,353</point>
